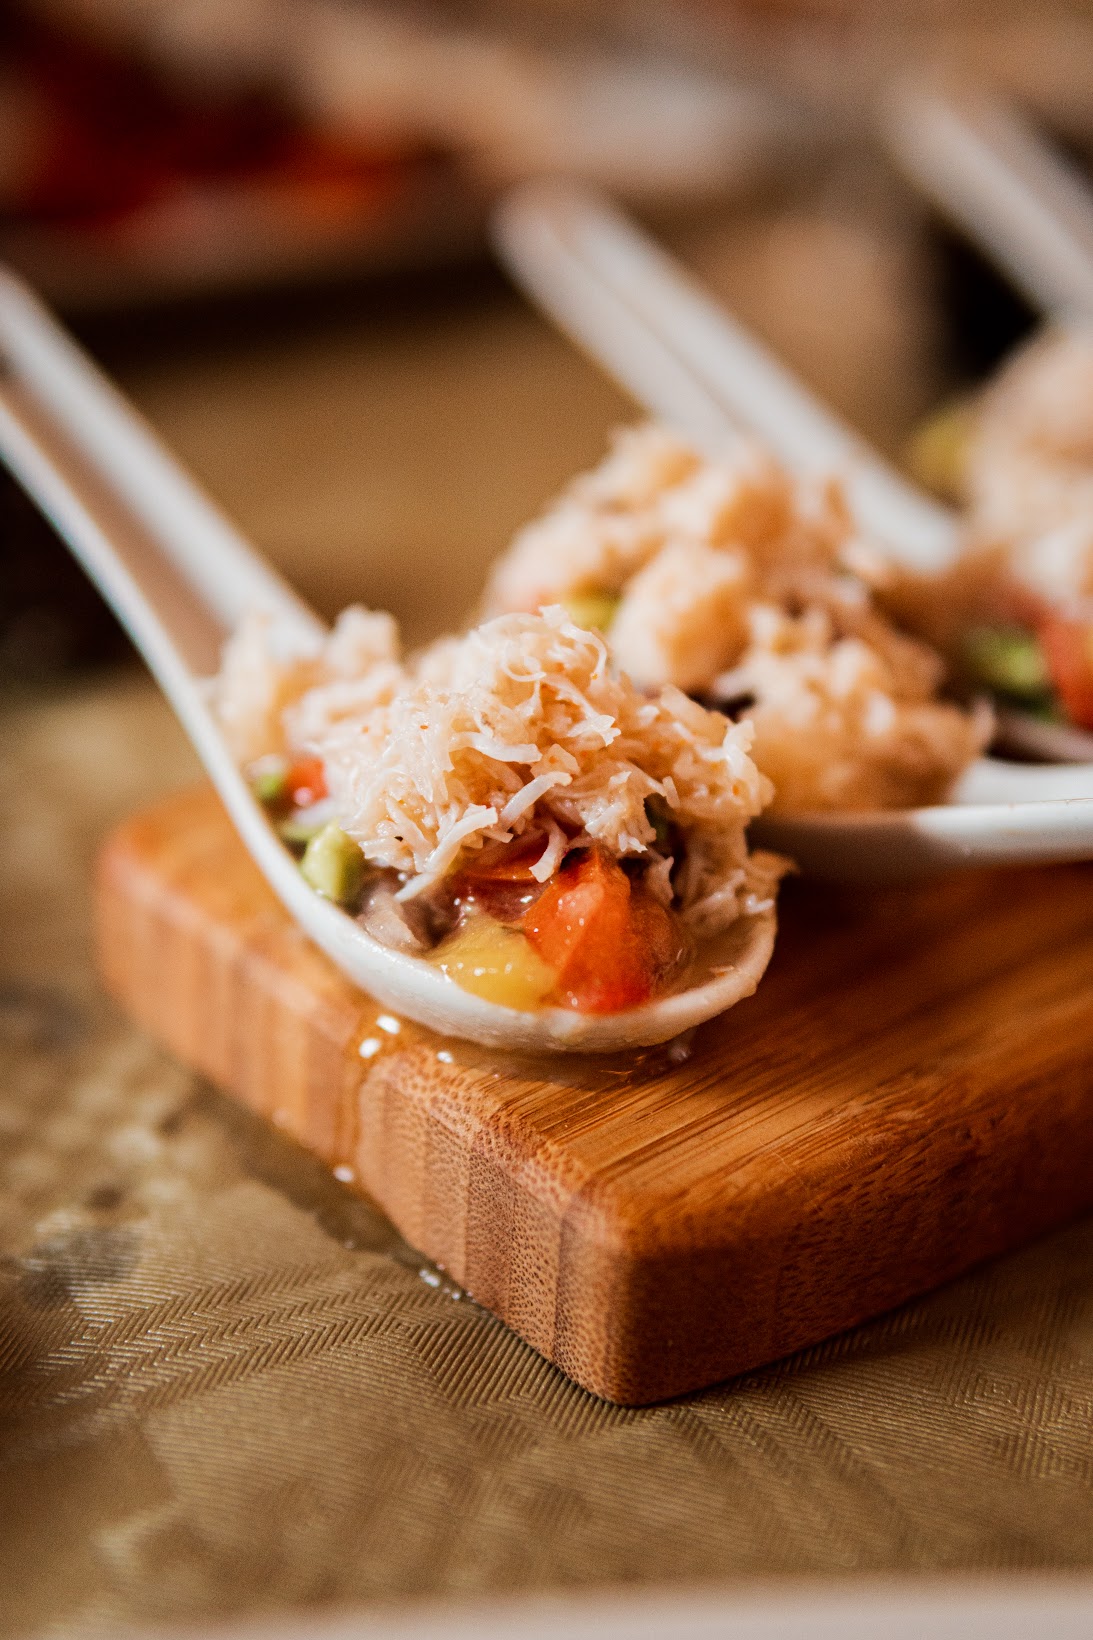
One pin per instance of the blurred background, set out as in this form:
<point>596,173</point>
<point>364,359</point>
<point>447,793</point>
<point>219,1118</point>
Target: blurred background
<point>266,217</point>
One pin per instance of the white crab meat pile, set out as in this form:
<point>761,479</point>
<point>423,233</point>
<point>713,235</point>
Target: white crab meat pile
<point>522,725</point>
<point>736,583</point>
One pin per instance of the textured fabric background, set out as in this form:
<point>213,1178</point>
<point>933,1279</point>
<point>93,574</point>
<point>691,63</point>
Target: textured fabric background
<point>228,1387</point>
<point>225,1386</point>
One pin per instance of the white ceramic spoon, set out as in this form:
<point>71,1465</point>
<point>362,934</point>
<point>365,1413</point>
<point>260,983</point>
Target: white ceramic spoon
<point>984,165</point>
<point>682,355</point>
<point>653,327</point>
<point>1030,211</point>
<point>641,316</point>
<point>179,577</point>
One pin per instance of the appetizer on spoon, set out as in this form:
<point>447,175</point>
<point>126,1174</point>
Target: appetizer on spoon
<point>1017,614</point>
<point>754,592</point>
<point>685,358</point>
<point>1018,456</point>
<point>663,337</point>
<point>500,839</point>
<point>508,809</point>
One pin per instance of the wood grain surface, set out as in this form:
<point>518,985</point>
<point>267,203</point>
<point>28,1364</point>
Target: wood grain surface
<point>910,1092</point>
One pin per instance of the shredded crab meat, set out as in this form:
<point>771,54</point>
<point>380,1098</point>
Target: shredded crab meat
<point>522,725</point>
<point>272,693</point>
<point>684,616</point>
<point>738,583</point>
<point>838,726</point>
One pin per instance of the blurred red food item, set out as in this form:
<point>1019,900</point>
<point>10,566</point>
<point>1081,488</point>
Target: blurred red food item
<point>305,782</point>
<point>110,139</point>
<point>1068,645</point>
<point>610,942</point>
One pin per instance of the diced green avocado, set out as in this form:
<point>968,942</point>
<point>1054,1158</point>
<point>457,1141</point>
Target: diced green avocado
<point>334,865</point>
<point>592,609</point>
<point>938,451</point>
<point>268,780</point>
<point>1008,660</point>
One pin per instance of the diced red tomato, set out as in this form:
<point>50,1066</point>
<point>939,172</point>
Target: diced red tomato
<point>610,942</point>
<point>1068,645</point>
<point>305,782</point>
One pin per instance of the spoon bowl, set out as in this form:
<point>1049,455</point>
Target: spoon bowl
<point>641,316</point>
<point>999,814</point>
<point>180,578</point>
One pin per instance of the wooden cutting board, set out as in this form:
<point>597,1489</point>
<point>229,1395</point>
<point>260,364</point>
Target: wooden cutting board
<point>910,1091</point>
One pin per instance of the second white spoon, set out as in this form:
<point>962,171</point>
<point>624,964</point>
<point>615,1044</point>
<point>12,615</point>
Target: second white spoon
<point>652,327</point>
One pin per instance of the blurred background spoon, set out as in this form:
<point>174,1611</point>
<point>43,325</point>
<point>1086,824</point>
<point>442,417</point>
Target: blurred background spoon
<point>684,357</point>
<point>652,327</point>
<point>991,173</point>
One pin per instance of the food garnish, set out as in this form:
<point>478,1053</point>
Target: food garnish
<point>1010,661</point>
<point>594,609</point>
<point>1068,648</point>
<point>610,942</point>
<point>505,805</point>
<point>753,592</point>
<point>1021,598</point>
<point>334,865</point>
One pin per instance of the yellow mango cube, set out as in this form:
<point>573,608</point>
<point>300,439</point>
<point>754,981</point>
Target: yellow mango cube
<point>495,962</point>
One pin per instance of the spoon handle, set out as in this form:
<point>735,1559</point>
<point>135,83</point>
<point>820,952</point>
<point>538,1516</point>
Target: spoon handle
<point>61,412</point>
<point>170,622</point>
<point>529,232</point>
<point>173,570</point>
<point>987,168</point>
<point>653,327</point>
<point>176,631</point>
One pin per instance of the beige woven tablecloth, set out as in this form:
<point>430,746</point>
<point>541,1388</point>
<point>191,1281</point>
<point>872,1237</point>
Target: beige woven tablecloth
<point>228,1387</point>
